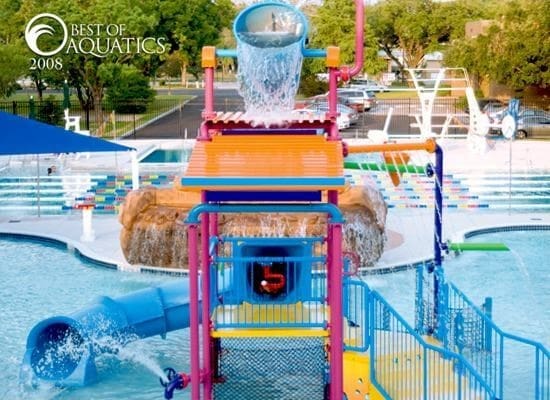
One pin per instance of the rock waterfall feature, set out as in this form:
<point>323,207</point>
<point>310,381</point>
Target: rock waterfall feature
<point>153,234</point>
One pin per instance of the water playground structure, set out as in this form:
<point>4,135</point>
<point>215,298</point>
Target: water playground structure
<point>278,317</point>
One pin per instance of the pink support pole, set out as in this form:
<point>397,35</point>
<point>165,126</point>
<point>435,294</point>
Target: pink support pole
<point>214,224</point>
<point>205,290</point>
<point>329,258</point>
<point>336,328</point>
<point>359,37</point>
<point>193,240</point>
<point>208,93</point>
<point>333,101</point>
<point>203,132</point>
<point>333,197</point>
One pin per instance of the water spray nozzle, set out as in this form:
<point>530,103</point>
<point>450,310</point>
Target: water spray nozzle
<point>174,381</point>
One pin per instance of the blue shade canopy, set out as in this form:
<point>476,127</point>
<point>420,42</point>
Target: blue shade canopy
<point>20,135</point>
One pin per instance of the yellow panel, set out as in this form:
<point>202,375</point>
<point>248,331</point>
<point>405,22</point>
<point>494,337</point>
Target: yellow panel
<point>357,385</point>
<point>268,314</point>
<point>269,332</point>
<point>333,57</point>
<point>208,57</point>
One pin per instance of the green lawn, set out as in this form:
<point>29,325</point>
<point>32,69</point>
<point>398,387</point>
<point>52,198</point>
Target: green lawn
<point>401,94</point>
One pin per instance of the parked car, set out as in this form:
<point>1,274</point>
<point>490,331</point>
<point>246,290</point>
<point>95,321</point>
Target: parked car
<point>342,120</point>
<point>360,100</point>
<point>496,116</point>
<point>537,126</point>
<point>322,106</point>
<point>368,85</point>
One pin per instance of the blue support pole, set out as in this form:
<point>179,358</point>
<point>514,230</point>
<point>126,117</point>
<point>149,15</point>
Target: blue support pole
<point>437,240</point>
<point>487,331</point>
<point>419,304</point>
<point>230,53</point>
<point>438,211</point>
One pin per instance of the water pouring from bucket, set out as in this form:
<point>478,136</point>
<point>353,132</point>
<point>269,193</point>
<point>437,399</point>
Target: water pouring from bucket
<point>270,39</point>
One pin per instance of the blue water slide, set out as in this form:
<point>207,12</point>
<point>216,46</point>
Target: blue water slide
<point>62,349</point>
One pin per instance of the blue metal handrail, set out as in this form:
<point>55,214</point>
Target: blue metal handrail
<point>299,302</point>
<point>402,361</point>
<point>490,349</point>
<point>356,312</point>
<point>325,208</point>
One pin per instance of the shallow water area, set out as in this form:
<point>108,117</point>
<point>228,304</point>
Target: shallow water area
<point>515,280</point>
<point>42,281</point>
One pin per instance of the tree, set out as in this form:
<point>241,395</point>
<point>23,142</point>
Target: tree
<point>411,26</point>
<point>192,24</point>
<point>334,25</point>
<point>128,90</point>
<point>13,64</point>
<point>515,50</point>
<point>84,67</point>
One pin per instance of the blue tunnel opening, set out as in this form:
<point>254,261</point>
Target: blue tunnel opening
<point>58,351</point>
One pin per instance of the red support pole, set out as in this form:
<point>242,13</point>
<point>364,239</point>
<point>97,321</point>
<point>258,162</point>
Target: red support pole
<point>193,240</point>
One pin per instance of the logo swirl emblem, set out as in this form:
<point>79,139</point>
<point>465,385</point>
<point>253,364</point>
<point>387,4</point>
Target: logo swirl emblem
<point>33,33</point>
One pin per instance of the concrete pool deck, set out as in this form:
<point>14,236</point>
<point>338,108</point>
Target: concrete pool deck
<point>410,231</point>
<point>416,229</point>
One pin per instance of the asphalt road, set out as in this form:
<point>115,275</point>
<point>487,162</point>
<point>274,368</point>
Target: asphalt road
<point>185,121</point>
<point>189,117</point>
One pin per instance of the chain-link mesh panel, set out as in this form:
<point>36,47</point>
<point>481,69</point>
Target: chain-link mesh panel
<point>271,369</point>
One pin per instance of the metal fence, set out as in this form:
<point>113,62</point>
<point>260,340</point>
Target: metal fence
<point>449,114</point>
<point>111,121</point>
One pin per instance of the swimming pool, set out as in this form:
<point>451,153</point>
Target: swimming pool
<point>70,284</point>
<point>44,280</point>
<point>516,280</point>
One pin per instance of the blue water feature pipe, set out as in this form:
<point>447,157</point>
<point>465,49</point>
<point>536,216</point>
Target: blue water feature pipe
<point>62,349</point>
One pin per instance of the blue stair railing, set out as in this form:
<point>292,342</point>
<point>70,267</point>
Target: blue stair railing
<point>472,333</point>
<point>404,365</point>
<point>513,366</point>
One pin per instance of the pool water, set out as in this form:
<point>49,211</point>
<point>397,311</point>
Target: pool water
<point>166,156</point>
<point>40,281</point>
<point>516,280</point>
